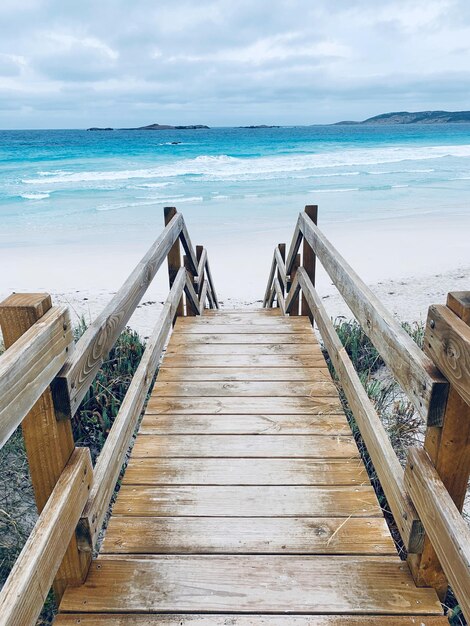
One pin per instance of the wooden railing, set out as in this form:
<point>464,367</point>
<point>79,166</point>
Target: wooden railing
<point>43,378</point>
<point>426,500</point>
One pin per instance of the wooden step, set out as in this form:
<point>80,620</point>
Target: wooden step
<point>247,501</point>
<point>196,535</point>
<point>244,424</point>
<point>188,340</point>
<point>247,346</point>
<point>277,584</point>
<point>245,406</point>
<point>314,359</point>
<point>286,446</point>
<point>281,374</point>
<point>83,619</point>
<point>207,389</point>
<point>244,471</point>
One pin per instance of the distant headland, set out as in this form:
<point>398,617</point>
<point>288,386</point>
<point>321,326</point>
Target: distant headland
<point>419,117</point>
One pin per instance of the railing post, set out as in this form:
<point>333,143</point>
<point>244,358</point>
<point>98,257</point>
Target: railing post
<point>189,309</point>
<point>448,447</point>
<point>282,250</point>
<point>200,284</point>
<point>295,302</point>
<point>174,256</point>
<point>49,442</point>
<point>309,258</point>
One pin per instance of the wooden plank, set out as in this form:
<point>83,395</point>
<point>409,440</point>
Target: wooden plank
<point>448,344</point>
<point>279,295</point>
<point>93,347</point>
<point>245,424</point>
<point>189,249</point>
<point>281,268</point>
<point>174,255</point>
<point>305,446</point>
<point>211,284</point>
<point>448,531</point>
<point>42,430</point>
<point>283,374</point>
<point>235,349</point>
<point>248,501</point>
<point>189,340</point>
<point>244,471</point>
<point>24,592</point>
<point>321,584</point>
<point>203,326</point>
<point>294,309</point>
<point>244,360</point>
<point>244,406</point>
<point>242,535</point>
<point>29,365</point>
<point>270,281</point>
<point>112,456</point>
<point>415,371</point>
<point>382,454</point>
<point>244,388</point>
<point>82,619</point>
<point>245,311</point>
<point>192,300</point>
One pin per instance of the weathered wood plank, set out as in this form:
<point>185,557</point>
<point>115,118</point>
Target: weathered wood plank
<point>294,535</point>
<point>282,374</point>
<point>174,256</point>
<point>244,388</point>
<point>211,284</point>
<point>244,471</point>
<point>322,584</point>
<point>80,369</point>
<point>112,456</point>
<point>448,344</point>
<point>306,446</point>
<point>378,444</point>
<point>289,325</point>
<point>189,340</point>
<point>244,360</point>
<point>415,372</point>
<point>245,424</point>
<point>459,303</point>
<point>447,530</point>
<point>83,619</point>
<point>30,364</point>
<point>26,589</point>
<point>309,258</point>
<point>248,501</point>
<point>244,406</point>
<point>253,348</point>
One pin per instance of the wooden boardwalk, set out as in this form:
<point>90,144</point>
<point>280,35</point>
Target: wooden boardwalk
<point>245,500</point>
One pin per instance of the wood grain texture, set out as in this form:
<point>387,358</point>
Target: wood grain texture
<point>174,255</point>
<point>247,501</point>
<point>187,340</point>
<point>83,619</point>
<point>245,471</point>
<point>26,588</point>
<point>447,530</point>
<point>29,365</point>
<point>245,389</point>
<point>245,347</point>
<point>94,345</point>
<point>244,406</point>
<point>176,424</point>
<point>305,446</point>
<point>459,303</point>
<point>232,584</point>
<point>186,326</point>
<point>284,374</point>
<point>253,360</point>
<point>448,344</point>
<point>415,372</point>
<point>382,454</point>
<point>247,535</point>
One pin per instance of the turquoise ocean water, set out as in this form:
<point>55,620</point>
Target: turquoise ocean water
<point>74,187</point>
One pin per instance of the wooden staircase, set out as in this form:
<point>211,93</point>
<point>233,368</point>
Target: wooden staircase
<point>245,500</point>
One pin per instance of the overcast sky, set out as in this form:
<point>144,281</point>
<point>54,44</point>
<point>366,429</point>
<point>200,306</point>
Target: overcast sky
<point>77,63</point>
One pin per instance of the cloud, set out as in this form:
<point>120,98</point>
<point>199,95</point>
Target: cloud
<point>224,62</point>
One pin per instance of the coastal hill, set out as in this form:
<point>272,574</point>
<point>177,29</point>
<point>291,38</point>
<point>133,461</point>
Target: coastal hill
<point>156,127</point>
<point>419,117</point>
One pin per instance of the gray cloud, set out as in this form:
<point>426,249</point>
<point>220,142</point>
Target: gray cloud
<point>222,62</point>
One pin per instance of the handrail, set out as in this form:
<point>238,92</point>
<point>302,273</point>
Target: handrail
<point>67,490</point>
<point>29,365</point>
<point>72,383</point>
<point>426,497</point>
<point>379,447</point>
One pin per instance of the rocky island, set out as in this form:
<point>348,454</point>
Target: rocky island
<point>419,117</point>
<point>157,127</point>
